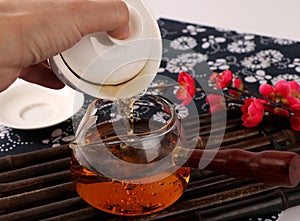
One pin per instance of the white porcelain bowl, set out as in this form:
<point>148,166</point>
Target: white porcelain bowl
<point>109,68</point>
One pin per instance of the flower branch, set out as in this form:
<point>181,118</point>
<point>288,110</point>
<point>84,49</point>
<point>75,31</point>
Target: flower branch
<point>282,99</point>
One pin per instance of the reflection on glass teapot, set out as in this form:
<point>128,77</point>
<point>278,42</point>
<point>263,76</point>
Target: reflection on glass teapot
<point>122,163</point>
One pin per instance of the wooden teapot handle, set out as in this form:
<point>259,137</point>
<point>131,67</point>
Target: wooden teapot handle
<point>280,168</point>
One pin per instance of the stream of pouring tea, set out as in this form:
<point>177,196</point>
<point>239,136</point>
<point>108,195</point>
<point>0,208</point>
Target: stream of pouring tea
<point>125,108</point>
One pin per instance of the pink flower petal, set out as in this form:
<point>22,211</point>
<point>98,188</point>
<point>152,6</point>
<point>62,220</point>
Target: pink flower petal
<point>181,94</point>
<point>253,110</point>
<point>187,89</point>
<point>266,90</point>
<point>282,88</point>
<point>295,123</point>
<point>224,79</point>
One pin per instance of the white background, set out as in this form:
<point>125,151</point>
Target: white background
<point>277,18</point>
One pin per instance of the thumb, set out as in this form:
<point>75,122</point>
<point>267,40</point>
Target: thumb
<point>106,15</point>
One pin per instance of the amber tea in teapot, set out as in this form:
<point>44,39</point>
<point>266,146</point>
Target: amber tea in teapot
<point>154,132</point>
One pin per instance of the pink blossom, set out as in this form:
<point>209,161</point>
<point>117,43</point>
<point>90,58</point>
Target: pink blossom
<point>281,112</point>
<point>282,89</point>
<point>295,88</point>
<point>213,77</point>
<point>267,91</point>
<point>224,79</point>
<point>295,118</point>
<point>295,109</point>
<point>292,101</point>
<point>187,89</point>
<point>295,123</point>
<point>238,84</point>
<point>281,93</point>
<point>253,112</point>
<point>282,99</point>
<point>216,102</point>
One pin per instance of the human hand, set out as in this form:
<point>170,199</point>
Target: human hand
<point>34,30</point>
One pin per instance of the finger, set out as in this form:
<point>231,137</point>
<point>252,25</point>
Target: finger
<point>120,33</point>
<point>42,75</point>
<point>7,77</point>
<point>106,15</point>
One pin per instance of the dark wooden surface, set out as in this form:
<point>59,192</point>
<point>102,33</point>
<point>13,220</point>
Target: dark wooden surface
<point>38,185</point>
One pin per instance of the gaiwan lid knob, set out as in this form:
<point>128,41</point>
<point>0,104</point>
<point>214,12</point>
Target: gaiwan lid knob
<point>108,68</point>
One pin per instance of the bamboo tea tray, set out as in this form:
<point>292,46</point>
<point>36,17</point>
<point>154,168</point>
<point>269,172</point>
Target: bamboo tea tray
<point>38,185</point>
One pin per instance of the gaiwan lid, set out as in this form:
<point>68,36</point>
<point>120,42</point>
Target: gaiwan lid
<point>108,68</point>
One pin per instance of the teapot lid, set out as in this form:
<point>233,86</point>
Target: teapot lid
<point>108,68</point>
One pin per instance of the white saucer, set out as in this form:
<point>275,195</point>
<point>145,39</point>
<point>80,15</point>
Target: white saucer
<point>291,214</point>
<point>29,106</point>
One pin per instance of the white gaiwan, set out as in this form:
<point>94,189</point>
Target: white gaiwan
<point>108,68</point>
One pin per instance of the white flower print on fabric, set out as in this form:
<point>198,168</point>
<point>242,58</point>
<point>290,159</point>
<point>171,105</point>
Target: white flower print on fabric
<point>157,88</point>
<point>265,40</point>
<point>185,62</point>
<point>259,76</point>
<point>184,43</point>
<point>273,55</point>
<point>193,29</point>
<point>255,62</point>
<point>162,117</point>
<point>222,29</point>
<point>193,57</point>
<point>247,36</point>
<point>272,218</point>
<point>263,59</point>
<point>176,65</point>
<point>182,111</point>
<point>199,76</point>
<point>4,131</point>
<point>115,117</point>
<point>164,33</point>
<point>282,41</point>
<point>12,139</point>
<point>234,36</point>
<point>163,65</point>
<point>218,64</point>
<point>287,77</point>
<point>295,64</point>
<point>175,89</point>
<point>161,70</point>
<point>212,42</point>
<point>58,137</point>
<point>200,96</point>
<point>241,46</point>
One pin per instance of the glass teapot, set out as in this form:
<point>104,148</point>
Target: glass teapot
<point>121,162</point>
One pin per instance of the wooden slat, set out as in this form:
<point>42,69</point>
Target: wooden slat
<point>38,185</point>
